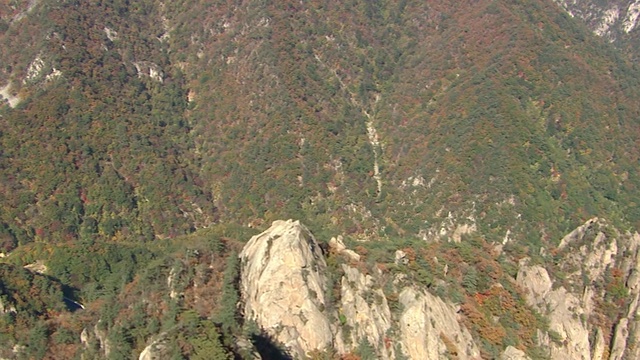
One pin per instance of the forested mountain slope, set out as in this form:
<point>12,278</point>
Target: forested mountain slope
<point>139,126</point>
<point>378,119</point>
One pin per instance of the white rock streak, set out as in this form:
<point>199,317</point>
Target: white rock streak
<point>372,132</point>
<point>609,18</point>
<point>5,93</point>
<point>633,12</point>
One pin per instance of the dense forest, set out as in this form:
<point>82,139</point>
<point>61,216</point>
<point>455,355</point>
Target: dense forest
<point>150,140</point>
<point>154,130</point>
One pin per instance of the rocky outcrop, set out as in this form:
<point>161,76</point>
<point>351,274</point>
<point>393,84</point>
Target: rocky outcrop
<point>283,287</point>
<point>535,279</point>
<point>157,350</point>
<point>598,346</point>
<point>578,233</point>
<point>365,311</point>
<point>597,257</point>
<point>511,353</point>
<point>626,341</point>
<point>401,258</point>
<point>596,260</point>
<point>563,309</point>
<point>337,245</point>
<point>150,70</point>
<point>97,338</point>
<point>613,20</point>
<point>566,319</point>
<point>430,330</point>
<point>7,95</point>
<point>37,267</point>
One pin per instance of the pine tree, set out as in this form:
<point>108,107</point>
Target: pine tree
<point>228,315</point>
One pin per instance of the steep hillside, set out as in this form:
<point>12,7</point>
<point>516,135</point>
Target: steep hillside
<point>99,146</point>
<point>374,119</point>
<point>142,142</point>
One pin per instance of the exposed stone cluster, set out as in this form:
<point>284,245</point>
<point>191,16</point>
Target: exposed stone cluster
<point>283,287</point>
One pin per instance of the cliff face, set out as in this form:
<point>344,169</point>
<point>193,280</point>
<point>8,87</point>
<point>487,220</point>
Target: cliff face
<point>590,298</point>
<point>365,311</point>
<point>430,329</point>
<point>609,18</point>
<point>283,284</point>
<point>594,292</point>
<point>562,308</point>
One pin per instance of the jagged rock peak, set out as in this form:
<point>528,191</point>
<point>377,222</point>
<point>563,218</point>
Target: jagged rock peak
<point>563,308</point>
<point>578,233</point>
<point>283,287</point>
<point>366,311</point>
<point>430,329</point>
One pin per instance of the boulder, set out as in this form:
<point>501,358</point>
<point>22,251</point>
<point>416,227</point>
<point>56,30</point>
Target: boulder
<point>511,353</point>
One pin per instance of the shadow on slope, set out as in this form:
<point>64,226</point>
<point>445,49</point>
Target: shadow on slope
<point>268,348</point>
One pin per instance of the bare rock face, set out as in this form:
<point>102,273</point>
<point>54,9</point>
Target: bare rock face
<point>401,258</point>
<point>613,20</point>
<point>565,320</point>
<point>430,330</point>
<point>563,308</point>
<point>578,233</point>
<point>511,353</point>
<point>598,346</point>
<point>337,245</point>
<point>157,350</point>
<point>283,286</point>
<point>591,254</point>
<point>95,337</point>
<point>366,311</point>
<point>626,341</point>
<point>535,279</point>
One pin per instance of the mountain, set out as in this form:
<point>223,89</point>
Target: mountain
<point>143,143</point>
<point>380,123</point>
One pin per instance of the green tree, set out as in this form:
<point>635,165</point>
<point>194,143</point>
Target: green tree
<point>470,280</point>
<point>38,337</point>
<point>228,315</point>
<point>207,346</point>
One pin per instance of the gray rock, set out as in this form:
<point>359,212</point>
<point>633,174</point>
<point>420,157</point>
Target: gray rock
<point>401,258</point>
<point>535,281</point>
<point>511,353</point>
<point>157,350</point>
<point>283,287</point>
<point>619,344</point>
<point>338,246</point>
<point>577,234</point>
<point>365,310</point>
<point>430,329</point>
<point>563,309</point>
<point>599,346</point>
